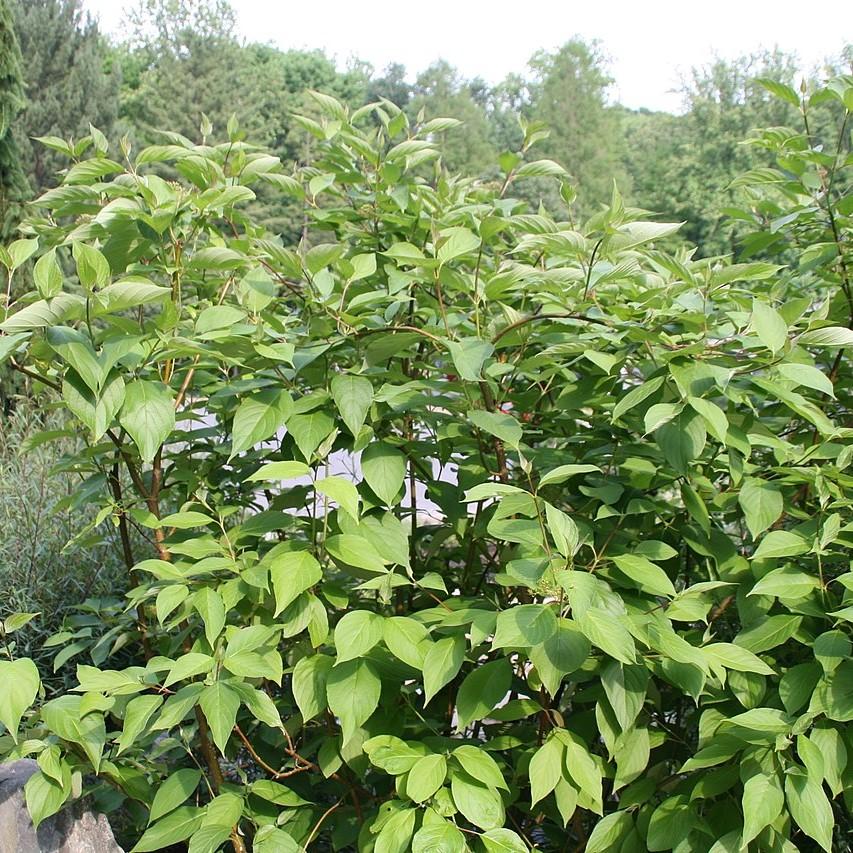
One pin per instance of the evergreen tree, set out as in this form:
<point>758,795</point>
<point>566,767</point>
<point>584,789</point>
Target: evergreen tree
<point>70,80</point>
<point>568,92</point>
<point>12,180</point>
<point>441,91</point>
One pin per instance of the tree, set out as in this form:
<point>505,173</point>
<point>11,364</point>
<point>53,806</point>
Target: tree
<point>466,525</point>
<point>439,90</point>
<point>391,85</point>
<point>12,101</point>
<point>184,62</point>
<point>684,166</point>
<point>568,93</point>
<point>70,80</point>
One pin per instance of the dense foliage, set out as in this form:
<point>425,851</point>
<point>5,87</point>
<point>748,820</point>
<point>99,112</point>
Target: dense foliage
<point>456,525</point>
<point>12,180</point>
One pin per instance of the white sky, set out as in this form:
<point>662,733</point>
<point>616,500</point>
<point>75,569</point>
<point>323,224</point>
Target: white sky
<point>649,42</point>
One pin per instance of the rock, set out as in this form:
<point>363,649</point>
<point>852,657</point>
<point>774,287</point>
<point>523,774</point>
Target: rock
<point>74,830</point>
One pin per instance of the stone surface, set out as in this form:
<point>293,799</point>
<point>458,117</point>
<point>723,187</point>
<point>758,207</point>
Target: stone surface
<point>73,830</point>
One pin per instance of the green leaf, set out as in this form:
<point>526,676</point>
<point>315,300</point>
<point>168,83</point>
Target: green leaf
<point>636,396</point>
<point>455,242</point>
<point>355,551</point>
<point>524,625</point>
<point>785,583</point>
<point>209,838</point>
<point>384,469</point>
<point>136,716</point>
<point>625,688</point>
<point>353,395</point>
<point>257,418</point>
<point>441,837</point>
<point>189,665</point>
<point>174,791</point>
<point>828,336</point>
<point>20,679</point>
<point>682,440</point>
<point>353,689</point>
<point>658,415</point>
<point>130,292</point>
<point>426,777</point>
<point>268,839</point>
<point>714,417</point>
<point>279,471</point>
<point>503,841</point>
<point>220,705</point>
<point>396,832</point>
<point>44,796</point>
<point>309,684</point>
<point>560,654</point>
<point>9,343</point>
<point>469,355</point>
<point>768,324</point>
<point>273,792</point>
<point>769,633</point>
<point>810,808</point>
<point>780,90</point>
<point>441,664</point>
<point>74,348</point>
<point>407,640</point>
<point>563,531</point>
<point>478,764</point>
<point>292,573</point>
<point>564,472</point>
<point>762,504</point>
<point>479,803</point>
<point>323,255</point>
<point>257,289</point>
<point>670,824</point>
<point>47,275</point>
<point>211,608</point>
<point>736,658</point>
<point>610,635</point>
<point>148,415</point>
<point>608,832</point>
<point>647,576</point>
<point>342,491</point>
<point>218,258</point>
<point>357,633</point>
<point>64,718</point>
<point>176,826</point>
<point>309,430</point>
<point>504,427</point>
<point>546,769</point>
<point>481,690</point>
<point>540,169</point>
<point>811,377</point>
<point>92,266</point>
<point>781,543</point>
<point>763,802</point>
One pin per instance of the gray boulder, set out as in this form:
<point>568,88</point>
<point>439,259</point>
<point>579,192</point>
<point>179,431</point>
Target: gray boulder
<point>73,830</point>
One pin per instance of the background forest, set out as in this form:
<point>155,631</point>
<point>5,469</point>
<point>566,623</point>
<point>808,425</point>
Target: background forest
<point>181,59</point>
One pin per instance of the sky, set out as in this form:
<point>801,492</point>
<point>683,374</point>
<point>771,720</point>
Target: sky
<point>650,43</point>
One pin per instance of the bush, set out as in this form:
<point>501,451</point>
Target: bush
<point>471,527</point>
<point>46,565</point>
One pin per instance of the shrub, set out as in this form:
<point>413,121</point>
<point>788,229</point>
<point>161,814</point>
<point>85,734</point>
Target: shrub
<point>49,562</point>
<point>472,527</point>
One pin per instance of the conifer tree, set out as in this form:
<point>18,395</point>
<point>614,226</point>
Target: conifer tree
<point>71,80</point>
<point>12,180</point>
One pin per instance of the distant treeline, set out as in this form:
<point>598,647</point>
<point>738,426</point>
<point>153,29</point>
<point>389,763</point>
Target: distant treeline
<point>178,60</point>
